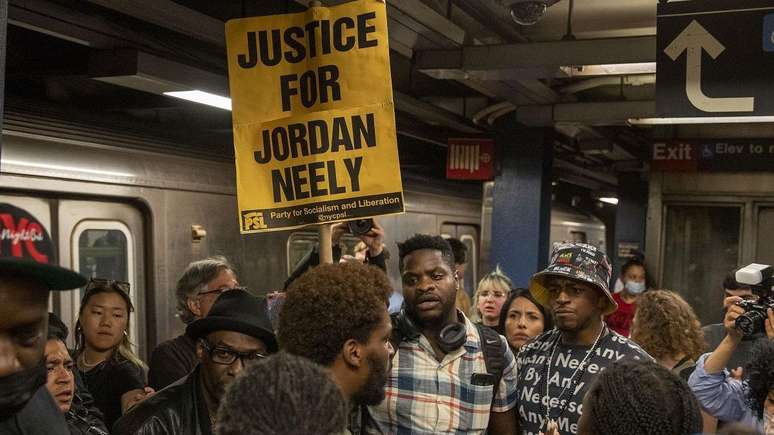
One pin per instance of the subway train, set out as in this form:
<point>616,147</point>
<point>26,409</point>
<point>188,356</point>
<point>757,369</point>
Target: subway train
<point>116,209</point>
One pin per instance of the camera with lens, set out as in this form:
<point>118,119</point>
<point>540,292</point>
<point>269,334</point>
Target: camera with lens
<point>360,227</point>
<point>759,278</point>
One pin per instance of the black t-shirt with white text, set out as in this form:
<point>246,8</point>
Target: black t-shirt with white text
<point>531,365</point>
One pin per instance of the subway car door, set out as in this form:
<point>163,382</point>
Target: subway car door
<point>104,240</point>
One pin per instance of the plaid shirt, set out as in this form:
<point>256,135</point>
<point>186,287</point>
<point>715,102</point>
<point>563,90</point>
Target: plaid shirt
<point>426,396</point>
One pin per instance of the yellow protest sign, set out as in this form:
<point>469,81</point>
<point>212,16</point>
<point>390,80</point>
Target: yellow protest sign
<point>313,116</point>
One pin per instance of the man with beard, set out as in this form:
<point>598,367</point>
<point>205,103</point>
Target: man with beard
<point>236,332</point>
<point>557,368</point>
<point>27,274</point>
<point>439,381</point>
<point>336,315</point>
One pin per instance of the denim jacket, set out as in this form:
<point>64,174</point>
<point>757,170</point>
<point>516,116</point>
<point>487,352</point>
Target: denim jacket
<point>722,396</point>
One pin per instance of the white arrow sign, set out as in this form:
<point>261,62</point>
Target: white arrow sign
<point>693,39</point>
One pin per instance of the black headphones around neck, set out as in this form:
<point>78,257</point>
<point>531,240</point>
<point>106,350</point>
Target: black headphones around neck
<point>451,338</point>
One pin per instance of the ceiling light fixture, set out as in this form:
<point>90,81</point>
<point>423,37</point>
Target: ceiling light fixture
<point>609,200</point>
<point>702,120</point>
<point>202,97</point>
<point>613,69</point>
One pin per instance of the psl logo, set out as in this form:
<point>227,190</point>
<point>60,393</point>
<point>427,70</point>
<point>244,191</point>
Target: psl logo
<point>254,221</point>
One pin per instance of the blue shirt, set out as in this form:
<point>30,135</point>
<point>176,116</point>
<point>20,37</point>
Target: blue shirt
<point>722,396</point>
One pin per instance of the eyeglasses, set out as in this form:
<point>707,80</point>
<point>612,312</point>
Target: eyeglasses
<point>102,282</point>
<point>227,356</point>
<point>220,290</point>
<point>495,294</point>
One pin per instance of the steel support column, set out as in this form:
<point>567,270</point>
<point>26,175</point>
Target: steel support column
<point>630,218</point>
<point>521,216</point>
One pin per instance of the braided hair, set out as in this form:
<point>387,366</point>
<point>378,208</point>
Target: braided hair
<point>658,402</point>
<point>282,395</point>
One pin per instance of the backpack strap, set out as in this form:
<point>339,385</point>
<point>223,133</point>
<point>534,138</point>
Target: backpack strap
<point>494,354</point>
<point>396,337</point>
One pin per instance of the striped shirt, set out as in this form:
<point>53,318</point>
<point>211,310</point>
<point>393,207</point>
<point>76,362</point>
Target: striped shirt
<point>426,396</point>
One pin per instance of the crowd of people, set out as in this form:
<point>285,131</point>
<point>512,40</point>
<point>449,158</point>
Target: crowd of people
<point>564,354</point>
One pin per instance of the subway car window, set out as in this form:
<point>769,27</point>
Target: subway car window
<point>702,245</point>
<point>579,236</point>
<point>103,254</point>
<point>301,243</point>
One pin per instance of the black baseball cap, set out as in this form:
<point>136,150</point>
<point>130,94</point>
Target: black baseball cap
<point>26,249</point>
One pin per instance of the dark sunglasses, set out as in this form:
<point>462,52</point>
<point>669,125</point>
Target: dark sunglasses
<point>101,282</point>
<point>227,356</point>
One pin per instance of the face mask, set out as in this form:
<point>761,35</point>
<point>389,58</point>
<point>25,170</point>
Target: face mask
<point>635,288</point>
<point>18,388</point>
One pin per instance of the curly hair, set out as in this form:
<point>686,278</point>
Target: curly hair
<point>426,241</point>
<point>329,305</point>
<point>282,395</point>
<point>658,403</point>
<point>760,376</point>
<point>665,325</point>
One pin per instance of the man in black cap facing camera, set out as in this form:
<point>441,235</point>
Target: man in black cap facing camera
<point>236,332</point>
<point>557,368</point>
<point>27,274</point>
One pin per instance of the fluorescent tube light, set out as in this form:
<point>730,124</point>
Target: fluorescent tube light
<point>613,69</point>
<point>202,97</point>
<point>701,120</point>
<point>610,200</point>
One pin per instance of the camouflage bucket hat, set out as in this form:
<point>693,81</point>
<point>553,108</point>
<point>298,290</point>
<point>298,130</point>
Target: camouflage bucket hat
<point>580,262</point>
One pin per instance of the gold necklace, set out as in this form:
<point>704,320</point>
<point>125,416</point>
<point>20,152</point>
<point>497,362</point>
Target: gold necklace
<point>86,364</point>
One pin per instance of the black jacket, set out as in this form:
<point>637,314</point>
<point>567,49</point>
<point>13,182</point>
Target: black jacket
<point>84,417</point>
<point>40,416</point>
<point>171,360</point>
<point>178,409</point>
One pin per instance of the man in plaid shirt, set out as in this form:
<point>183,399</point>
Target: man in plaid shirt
<point>439,382</point>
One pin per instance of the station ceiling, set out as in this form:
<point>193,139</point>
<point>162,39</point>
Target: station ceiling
<point>459,67</point>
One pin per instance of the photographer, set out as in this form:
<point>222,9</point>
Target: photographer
<point>714,333</point>
<point>726,397</point>
<point>373,240</point>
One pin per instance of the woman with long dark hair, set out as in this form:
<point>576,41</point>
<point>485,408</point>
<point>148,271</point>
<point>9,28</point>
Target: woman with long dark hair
<point>105,357</point>
<point>523,318</point>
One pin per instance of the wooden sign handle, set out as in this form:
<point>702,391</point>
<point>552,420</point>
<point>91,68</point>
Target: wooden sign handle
<point>326,247</point>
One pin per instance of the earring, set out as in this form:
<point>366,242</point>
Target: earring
<point>125,334</point>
